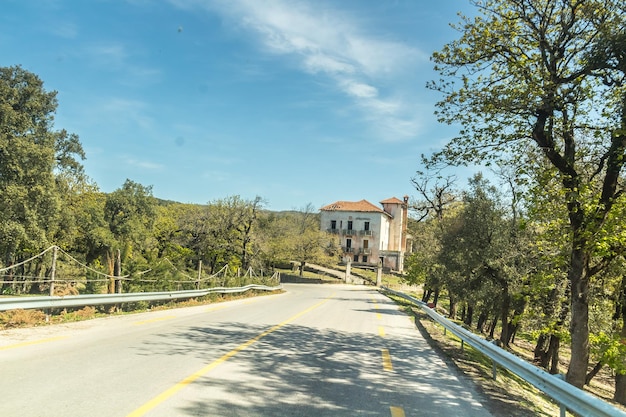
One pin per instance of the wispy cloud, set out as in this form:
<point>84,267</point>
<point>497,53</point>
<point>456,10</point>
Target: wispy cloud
<point>125,111</point>
<point>147,165</point>
<point>328,42</point>
<point>65,30</point>
<point>115,57</point>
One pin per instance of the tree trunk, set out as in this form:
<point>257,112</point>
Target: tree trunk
<point>553,353</point>
<point>579,327</point>
<point>620,379</point>
<point>594,371</point>
<point>453,307</point>
<point>492,327</point>
<point>469,317</point>
<point>436,297</point>
<point>620,389</point>
<point>541,350</point>
<point>426,295</point>
<point>482,318</point>
<point>504,316</point>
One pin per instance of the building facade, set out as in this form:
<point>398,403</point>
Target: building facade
<point>367,233</point>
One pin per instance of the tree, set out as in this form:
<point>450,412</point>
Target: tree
<point>223,232</point>
<point>530,74</point>
<point>129,212</point>
<point>31,154</point>
<point>435,199</point>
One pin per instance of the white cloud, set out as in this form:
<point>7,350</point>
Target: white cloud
<point>324,63</point>
<point>359,90</point>
<point>329,42</point>
<point>142,164</point>
<point>123,112</point>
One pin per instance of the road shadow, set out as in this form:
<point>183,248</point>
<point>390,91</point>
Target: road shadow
<point>305,371</point>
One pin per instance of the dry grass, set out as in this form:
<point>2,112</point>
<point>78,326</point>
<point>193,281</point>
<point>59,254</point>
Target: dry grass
<point>21,318</point>
<point>85,313</point>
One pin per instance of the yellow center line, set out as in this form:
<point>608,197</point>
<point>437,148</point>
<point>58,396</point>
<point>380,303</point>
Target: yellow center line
<point>191,378</point>
<point>381,331</point>
<point>33,342</point>
<point>387,366</point>
<point>154,320</point>
<point>396,411</point>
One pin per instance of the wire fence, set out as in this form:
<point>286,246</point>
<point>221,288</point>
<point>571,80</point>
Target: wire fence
<point>54,271</point>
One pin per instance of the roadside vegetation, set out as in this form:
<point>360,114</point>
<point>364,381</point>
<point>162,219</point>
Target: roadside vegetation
<point>535,244</point>
<point>32,318</point>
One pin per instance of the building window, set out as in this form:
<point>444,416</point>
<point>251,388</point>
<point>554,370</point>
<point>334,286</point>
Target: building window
<point>333,225</point>
<point>356,258</point>
<point>366,226</point>
<point>349,224</point>
<point>348,243</point>
<point>364,258</point>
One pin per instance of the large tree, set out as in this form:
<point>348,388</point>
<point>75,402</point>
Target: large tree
<point>545,73</point>
<point>32,154</point>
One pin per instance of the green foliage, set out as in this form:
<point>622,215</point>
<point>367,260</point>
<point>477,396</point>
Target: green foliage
<point>32,154</point>
<point>542,81</point>
<point>610,350</point>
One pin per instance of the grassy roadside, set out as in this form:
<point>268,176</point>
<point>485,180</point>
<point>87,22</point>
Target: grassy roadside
<point>31,318</point>
<point>508,395</point>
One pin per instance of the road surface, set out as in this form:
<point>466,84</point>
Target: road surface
<point>314,350</point>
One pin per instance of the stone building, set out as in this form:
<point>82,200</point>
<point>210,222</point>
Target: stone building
<point>367,233</point>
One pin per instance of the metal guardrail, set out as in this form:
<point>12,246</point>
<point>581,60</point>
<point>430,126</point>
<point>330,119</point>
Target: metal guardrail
<point>566,395</point>
<point>44,302</point>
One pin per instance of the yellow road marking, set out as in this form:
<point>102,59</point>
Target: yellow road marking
<point>191,378</point>
<point>396,411</point>
<point>387,366</point>
<point>34,342</point>
<point>154,320</point>
<point>381,331</point>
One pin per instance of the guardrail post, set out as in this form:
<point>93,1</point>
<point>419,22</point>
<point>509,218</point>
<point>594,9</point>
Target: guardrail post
<point>562,408</point>
<point>494,369</point>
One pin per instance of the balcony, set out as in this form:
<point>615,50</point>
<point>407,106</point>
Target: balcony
<point>365,232</point>
<point>348,250</point>
<point>349,232</point>
<point>333,231</point>
<point>365,251</point>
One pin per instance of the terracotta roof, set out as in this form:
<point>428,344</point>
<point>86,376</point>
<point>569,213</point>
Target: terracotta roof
<point>392,200</point>
<point>362,206</point>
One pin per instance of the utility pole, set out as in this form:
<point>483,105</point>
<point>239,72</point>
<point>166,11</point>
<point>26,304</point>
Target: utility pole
<point>199,274</point>
<point>118,272</point>
<point>53,269</point>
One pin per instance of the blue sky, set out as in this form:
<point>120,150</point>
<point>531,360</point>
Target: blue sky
<point>294,101</point>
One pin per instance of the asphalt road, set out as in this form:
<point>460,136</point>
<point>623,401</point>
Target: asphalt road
<point>315,350</point>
